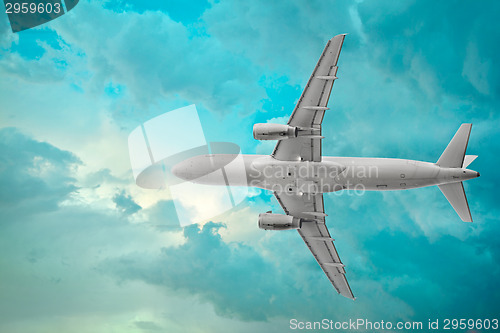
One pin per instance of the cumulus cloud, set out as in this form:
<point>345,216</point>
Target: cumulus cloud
<point>438,37</point>
<point>156,57</point>
<point>125,203</point>
<point>240,281</point>
<point>6,35</point>
<point>280,43</point>
<point>51,243</point>
<point>34,175</point>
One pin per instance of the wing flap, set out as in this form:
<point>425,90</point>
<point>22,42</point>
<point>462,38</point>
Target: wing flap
<point>318,240</point>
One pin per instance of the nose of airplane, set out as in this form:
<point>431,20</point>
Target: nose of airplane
<point>182,170</point>
<point>193,168</point>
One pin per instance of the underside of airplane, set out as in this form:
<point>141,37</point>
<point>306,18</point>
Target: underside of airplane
<point>299,175</point>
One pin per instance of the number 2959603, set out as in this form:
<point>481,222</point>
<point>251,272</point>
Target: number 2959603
<point>471,324</point>
<point>32,8</point>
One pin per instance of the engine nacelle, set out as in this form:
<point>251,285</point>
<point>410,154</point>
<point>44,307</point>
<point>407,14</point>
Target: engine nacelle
<point>274,131</point>
<point>268,221</point>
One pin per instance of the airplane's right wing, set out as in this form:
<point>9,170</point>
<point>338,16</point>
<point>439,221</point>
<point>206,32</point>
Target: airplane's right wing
<point>316,236</point>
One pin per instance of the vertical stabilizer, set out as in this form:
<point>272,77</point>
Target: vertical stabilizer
<point>455,194</point>
<point>453,155</point>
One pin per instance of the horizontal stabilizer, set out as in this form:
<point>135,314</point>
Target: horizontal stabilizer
<point>455,194</point>
<point>468,160</point>
<point>453,155</point>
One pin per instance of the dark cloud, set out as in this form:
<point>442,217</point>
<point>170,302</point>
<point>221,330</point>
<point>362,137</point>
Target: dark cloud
<point>282,37</point>
<point>34,175</point>
<point>51,239</point>
<point>184,65</point>
<point>125,203</point>
<point>451,48</point>
<point>229,276</point>
<point>6,35</point>
<point>412,246</point>
<point>241,282</point>
<point>424,268</point>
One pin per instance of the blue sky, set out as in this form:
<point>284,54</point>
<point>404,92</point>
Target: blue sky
<point>84,249</point>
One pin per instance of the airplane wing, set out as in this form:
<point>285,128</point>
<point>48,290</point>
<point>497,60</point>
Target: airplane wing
<point>316,236</point>
<point>310,109</point>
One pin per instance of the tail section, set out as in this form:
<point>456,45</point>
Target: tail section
<point>455,194</point>
<point>453,155</point>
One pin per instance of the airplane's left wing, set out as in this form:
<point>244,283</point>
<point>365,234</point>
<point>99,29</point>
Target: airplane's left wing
<point>316,236</point>
<point>310,109</point>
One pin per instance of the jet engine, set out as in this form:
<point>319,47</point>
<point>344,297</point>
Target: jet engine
<point>268,221</point>
<point>274,131</point>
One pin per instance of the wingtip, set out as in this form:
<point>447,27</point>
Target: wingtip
<point>467,219</point>
<point>349,296</point>
<point>339,36</point>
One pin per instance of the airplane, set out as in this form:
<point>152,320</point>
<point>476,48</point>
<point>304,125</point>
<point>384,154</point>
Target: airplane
<point>299,175</point>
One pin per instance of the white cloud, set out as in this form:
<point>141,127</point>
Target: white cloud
<point>477,70</point>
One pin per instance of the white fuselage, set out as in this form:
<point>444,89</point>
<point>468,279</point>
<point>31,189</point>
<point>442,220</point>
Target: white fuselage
<point>329,175</point>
